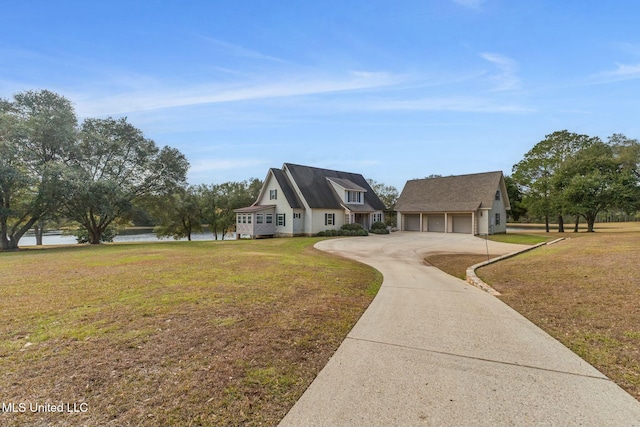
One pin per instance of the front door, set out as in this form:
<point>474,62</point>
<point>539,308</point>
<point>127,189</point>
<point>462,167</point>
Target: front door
<point>298,223</point>
<point>363,220</point>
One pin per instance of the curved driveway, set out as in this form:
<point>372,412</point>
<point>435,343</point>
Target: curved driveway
<point>433,350</point>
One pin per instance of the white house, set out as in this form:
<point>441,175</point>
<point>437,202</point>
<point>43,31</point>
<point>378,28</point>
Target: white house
<point>475,204</point>
<point>302,201</point>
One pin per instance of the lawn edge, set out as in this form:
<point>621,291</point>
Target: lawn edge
<point>473,279</point>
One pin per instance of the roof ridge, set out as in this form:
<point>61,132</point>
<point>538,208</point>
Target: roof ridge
<point>458,176</point>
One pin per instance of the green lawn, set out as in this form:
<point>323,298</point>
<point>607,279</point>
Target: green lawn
<point>520,238</point>
<point>172,333</point>
<point>585,292</point>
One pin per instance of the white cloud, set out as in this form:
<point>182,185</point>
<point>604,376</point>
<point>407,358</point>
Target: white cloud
<point>239,51</point>
<point>625,71</point>
<point>169,97</point>
<point>506,78</point>
<point>621,73</point>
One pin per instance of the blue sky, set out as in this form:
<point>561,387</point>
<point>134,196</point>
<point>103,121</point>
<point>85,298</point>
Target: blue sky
<point>393,90</point>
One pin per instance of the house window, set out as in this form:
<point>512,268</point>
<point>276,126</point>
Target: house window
<point>281,220</point>
<point>377,217</point>
<point>273,194</point>
<point>497,219</point>
<point>239,218</point>
<point>297,215</point>
<point>329,219</point>
<point>354,197</point>
<point>269,218</point>
<point>259,218</point>
<point>249,218</point>
<point>498,195</point>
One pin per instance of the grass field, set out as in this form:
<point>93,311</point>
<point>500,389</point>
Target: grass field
<point>173,333</point>
<point>584,291</point>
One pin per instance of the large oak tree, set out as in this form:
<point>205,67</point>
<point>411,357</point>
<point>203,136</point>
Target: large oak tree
<point>593,180</point>
<point>37,142</point>
<point>115,165</point>
<point>534,174</point>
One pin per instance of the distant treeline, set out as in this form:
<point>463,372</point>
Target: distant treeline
<point>568,175</point>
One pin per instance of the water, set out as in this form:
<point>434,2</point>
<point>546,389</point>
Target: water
<point>128,235</point>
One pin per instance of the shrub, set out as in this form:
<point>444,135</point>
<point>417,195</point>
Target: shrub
<point>342,232</point>
<point>378,225</point>
<point>351,227</point>
<point>82,235</point>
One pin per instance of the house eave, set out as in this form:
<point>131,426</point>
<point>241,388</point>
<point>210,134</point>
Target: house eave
<point>254,208</point>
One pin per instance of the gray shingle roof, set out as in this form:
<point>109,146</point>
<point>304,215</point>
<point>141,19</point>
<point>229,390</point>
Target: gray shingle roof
<point>319,193</point>
<point>462,193</point>
<point>347,184</point>
<point>287,189</point>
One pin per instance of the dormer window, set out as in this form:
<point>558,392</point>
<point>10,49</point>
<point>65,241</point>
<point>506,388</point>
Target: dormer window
<point>354,196</point>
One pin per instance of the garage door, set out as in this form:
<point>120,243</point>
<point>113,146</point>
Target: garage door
<point>435,223</point>
<point>462,224</point>
<point>412,222</point>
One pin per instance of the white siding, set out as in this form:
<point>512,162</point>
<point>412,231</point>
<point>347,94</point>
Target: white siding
<point>307,217</point>
<point>318,217</point>
<point>498,208</point>
<point>282,205</point>
<point>483,221</point>
<point>247,223</point>
<point>338,189</point>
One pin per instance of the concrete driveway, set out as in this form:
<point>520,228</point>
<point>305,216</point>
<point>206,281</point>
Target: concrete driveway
<point>433,350</point>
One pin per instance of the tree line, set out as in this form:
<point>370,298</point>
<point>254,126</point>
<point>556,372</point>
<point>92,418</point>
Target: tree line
<point>186,210</point>
<point>578,176</point>
<point>105,172</point>
<point>98,173</point>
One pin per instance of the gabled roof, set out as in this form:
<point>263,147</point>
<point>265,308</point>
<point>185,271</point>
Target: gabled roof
<point>346,184</point>
<point>287,189</point>
<point>319,193</point>
<point>460,193</point>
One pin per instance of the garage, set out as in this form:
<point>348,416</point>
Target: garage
<point>436,223</point>
<point>412,222</point>
<point>462,223</point>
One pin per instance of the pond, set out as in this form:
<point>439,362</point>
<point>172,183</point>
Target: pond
<point>138,234</point>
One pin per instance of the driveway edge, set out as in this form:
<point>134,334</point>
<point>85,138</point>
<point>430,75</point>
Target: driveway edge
<point>473,279</point>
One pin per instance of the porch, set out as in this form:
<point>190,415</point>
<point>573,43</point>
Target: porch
<point>255,221</point>
<point>365,219</point>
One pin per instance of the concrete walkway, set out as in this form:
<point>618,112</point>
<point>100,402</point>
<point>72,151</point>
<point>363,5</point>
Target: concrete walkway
<point>433,350</point>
